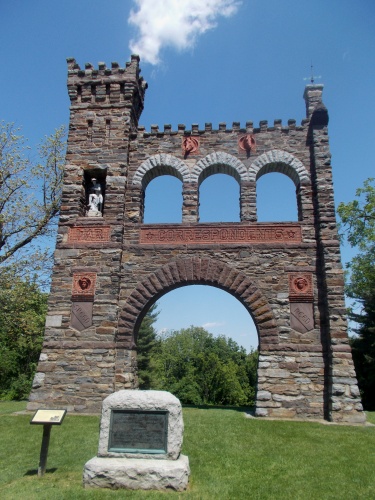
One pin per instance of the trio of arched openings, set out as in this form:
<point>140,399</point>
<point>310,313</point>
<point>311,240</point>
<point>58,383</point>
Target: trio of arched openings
<point>275,191</point>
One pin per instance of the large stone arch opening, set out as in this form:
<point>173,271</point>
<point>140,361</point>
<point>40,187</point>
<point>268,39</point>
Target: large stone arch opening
<point>190,271</point>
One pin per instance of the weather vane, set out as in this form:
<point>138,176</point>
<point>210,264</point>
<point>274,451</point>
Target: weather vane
<point>312,77</point>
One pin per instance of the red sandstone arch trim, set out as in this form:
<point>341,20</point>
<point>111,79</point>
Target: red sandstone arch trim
<point>161,164</point>
<point>279,161</point>
<point>216,163</point>
<point>196,270</point>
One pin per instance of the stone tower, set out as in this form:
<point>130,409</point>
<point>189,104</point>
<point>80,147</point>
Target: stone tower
<point>110,267</point>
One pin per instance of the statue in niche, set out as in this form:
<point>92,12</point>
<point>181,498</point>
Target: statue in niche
<point>95,206</point>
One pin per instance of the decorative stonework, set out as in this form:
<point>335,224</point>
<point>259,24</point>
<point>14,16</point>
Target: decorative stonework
<point>247,143</point>
<point>219,162</point>
<point>230,234</point>
<point>162,163</point>
<point>89,234</point>
<point>190,145</point>
<point>304,355</point>
<point>279,161</point>
<point>81,315</point>
<point>83,286</point>
<point>301,287</point>
<point>301,316</point>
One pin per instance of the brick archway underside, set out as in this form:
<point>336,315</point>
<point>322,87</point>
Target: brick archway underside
<point>197,271</point>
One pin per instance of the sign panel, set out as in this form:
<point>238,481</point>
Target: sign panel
<point>138,431</point>
<point>54,417</point>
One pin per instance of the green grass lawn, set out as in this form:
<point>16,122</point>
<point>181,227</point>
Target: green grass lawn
<point>230,457</point>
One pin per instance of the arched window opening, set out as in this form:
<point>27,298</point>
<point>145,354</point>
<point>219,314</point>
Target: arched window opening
<point>206,347</point>
<point>276,198</point>
<point>163,201</point>
<point>219,197</point>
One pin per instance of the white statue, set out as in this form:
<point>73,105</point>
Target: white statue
<point>95,200</point>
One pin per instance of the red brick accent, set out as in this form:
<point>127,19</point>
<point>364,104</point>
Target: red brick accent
<point>83,287</point>
<point>90,234</point>
<point>301,287</point>
<point>223,234</point>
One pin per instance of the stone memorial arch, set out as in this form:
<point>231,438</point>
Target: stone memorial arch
<point>110,266</point>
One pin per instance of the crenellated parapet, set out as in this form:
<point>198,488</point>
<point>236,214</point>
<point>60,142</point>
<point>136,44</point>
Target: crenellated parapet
<point>105,88</point>
<point>236,127</point>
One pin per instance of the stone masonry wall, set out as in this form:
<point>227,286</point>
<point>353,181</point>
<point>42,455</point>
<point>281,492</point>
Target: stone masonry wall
<point>110,269</point>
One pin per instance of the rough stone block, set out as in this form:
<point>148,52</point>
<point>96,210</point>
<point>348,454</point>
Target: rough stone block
<point>137,473</point>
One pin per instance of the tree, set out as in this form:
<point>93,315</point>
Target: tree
<point>358,221</point>
<point>202,369</point>
<point>22,316</point>
<point>363,350</point>
<point>30,195</point>
<point>146,344</point>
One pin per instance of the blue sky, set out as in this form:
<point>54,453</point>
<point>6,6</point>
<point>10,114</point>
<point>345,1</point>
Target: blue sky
<point>250,66</point>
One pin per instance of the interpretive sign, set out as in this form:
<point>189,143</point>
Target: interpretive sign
<point>230,234</point>
<point>47,418</point>
<point>54,417</point>
<point>137,431</point>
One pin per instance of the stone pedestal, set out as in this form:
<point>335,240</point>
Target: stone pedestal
<point>137,473</point>
<point>139,444</point>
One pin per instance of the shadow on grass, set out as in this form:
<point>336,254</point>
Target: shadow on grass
<point>34,472</point>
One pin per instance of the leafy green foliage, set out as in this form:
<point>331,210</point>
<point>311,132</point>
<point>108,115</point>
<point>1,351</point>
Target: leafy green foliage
<point>358,221</point>
<point>202,369</point>
<point>146,343</point>
<point>30,195</point>
<point>22,316</point>
<point>363,350</point>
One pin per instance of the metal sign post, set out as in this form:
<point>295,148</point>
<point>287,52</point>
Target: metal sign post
<point>47,418</point>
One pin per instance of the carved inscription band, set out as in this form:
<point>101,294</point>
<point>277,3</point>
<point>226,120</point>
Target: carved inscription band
<point>259,233</point>
<point>88,234</point>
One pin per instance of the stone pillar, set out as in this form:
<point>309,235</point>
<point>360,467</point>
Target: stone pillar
<point>342,402</point>
<point>313,97</point>
<point>190,204</point>
<point>248,202</point>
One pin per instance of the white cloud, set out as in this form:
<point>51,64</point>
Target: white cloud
<point>175,23</point>
<point>212,325</point>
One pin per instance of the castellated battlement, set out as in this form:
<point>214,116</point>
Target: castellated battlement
<point>235,128</point>
<point>105,85</point>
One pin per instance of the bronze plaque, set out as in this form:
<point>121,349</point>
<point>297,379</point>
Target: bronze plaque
<point>137,431</point>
